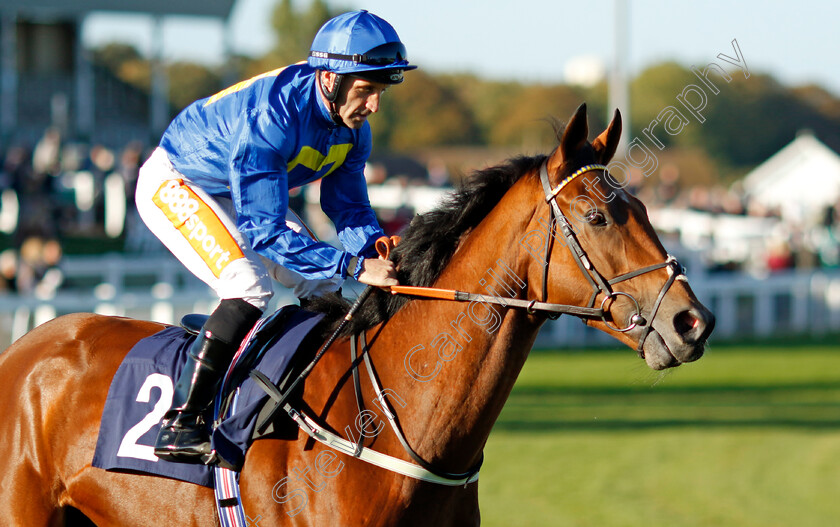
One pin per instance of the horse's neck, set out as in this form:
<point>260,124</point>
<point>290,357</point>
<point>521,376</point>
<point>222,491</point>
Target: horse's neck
<point>456,363</point>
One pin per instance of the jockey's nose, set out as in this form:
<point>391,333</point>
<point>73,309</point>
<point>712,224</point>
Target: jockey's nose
<point>373,102</point>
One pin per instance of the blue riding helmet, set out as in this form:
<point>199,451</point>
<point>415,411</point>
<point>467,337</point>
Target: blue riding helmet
<point>361,44</point>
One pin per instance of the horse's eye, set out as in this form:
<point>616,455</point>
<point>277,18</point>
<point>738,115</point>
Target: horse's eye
<point>596,218</point>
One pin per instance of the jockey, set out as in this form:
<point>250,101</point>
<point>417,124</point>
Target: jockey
<point>215,192</point>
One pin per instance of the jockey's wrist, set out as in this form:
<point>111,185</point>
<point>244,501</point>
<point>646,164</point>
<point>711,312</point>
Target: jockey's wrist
<point>355,267</point>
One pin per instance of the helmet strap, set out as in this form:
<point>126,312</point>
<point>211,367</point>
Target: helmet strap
<point>332,95</point>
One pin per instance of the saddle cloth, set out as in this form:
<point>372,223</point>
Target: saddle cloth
<point>141,392</point>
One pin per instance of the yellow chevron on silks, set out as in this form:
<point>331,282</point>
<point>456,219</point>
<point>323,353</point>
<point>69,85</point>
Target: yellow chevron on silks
<point>316,161</point>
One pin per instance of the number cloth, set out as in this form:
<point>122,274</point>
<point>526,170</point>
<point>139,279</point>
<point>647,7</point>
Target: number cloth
<point>141,392</point>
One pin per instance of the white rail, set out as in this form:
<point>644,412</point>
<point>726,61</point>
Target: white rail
<point>787,303</point>
<point>159,288</point>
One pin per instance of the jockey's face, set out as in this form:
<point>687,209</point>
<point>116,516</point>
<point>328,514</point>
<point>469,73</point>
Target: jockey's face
<point>357,99</point>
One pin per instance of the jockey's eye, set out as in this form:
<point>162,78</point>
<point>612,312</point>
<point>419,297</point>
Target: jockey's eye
<point>596,218</point>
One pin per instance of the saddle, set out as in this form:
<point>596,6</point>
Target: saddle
<point>141,391</point>
<point>266,336</point>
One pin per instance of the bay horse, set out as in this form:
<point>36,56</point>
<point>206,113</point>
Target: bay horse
<point>448,366</point>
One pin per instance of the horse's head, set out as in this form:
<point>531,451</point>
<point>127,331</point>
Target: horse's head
<point>604,231</point>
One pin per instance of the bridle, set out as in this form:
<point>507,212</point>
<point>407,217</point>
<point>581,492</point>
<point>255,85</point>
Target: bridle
<point>599,284</point>
<point>596,280</point>
<point>423,470</point>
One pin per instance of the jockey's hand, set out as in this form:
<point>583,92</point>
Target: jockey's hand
<point>378,272</point>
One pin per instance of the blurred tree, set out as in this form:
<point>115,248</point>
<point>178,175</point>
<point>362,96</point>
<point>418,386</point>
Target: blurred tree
<point>294,30</point>
<point>653,90</point>
<point>748,121</point>
<point>744,124</point>
<point>529,118</point>
<point>753,118</point>
<point>422,112</point>
<point>483,97</point>
<point>513,114</point>
<point>189,82</point>
<point>115,54</point>
<point>125,63</point>
<point>820,99</point>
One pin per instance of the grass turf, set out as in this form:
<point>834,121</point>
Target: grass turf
<point>747,436</point>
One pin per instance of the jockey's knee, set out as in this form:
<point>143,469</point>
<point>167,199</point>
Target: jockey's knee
<point>232,320</point>
<point>247,280</point>
<point>259,297</point>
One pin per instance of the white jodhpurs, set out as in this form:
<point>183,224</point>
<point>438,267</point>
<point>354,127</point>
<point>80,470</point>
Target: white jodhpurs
<point>201,232</point>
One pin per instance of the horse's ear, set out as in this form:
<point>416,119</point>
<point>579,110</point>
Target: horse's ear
<point>574,137</point>
<point>606,143</point>
<point>576,133</point>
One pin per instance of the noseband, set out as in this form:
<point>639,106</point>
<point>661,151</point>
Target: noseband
<point>596,280</point>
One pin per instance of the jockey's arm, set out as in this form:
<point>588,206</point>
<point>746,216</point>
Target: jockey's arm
<point>345,200</point>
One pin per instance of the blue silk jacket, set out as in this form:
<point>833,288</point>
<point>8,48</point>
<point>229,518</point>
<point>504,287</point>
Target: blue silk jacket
<point>254,141</point>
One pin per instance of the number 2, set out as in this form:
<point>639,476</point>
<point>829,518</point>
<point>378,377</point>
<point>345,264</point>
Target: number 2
<point>129,446</point>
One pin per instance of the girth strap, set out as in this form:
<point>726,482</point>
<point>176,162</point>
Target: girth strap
<point>334,441</point>
<point>392,420</point>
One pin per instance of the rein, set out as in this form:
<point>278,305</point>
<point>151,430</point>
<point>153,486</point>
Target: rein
<point>597,282</point>
<point>423,470</point>
<point>452,478</point>
<point>532,306</point>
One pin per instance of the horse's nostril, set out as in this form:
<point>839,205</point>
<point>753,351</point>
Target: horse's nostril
<point>685,323</point>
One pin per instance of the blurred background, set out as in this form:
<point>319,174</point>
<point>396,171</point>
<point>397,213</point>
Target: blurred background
<point>744,190</point>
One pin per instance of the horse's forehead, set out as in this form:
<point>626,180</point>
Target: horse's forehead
<point>621,206</point>
<point>595,187</point>
<point>616,200</point>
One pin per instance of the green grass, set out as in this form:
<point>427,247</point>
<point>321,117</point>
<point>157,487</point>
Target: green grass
<point>747,436</point>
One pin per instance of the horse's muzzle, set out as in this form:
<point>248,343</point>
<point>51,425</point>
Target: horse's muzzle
<point>679,337</point>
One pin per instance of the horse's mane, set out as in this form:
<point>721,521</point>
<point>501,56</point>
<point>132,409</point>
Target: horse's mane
<point>431,239</point>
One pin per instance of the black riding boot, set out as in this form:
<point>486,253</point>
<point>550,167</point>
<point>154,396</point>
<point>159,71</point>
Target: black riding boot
<point>183,435</point>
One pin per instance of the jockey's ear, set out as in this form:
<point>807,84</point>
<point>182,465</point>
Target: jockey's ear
<point>327,79</point>
<point>606,144</point>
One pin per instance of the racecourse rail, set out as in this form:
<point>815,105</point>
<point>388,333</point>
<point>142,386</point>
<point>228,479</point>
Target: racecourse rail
<point>159,288</point>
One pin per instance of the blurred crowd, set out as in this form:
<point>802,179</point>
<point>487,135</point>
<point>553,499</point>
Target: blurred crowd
<point>810,241</point>
<point>61,189</point>
<point>53,191</point>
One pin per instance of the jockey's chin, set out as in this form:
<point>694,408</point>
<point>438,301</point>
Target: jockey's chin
<point>356,120</point>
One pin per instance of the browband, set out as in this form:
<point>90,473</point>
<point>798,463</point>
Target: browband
<point>569,179</point>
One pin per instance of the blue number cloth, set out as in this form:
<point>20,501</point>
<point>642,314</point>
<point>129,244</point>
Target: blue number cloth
<point>129,425</point>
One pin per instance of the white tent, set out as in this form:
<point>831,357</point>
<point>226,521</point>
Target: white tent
<point>801,179</point>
